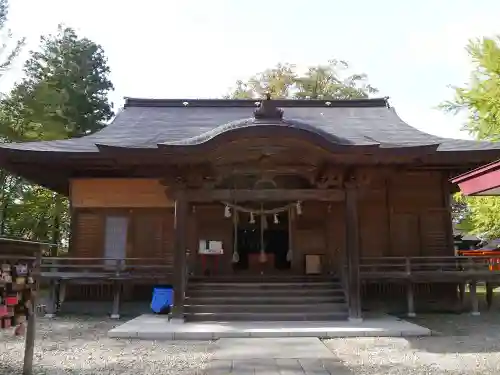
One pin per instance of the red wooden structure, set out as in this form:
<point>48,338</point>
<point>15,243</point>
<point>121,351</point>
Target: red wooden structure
<point>483,181</point>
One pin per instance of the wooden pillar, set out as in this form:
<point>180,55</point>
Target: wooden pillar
<point>450,241</point>
<point>115,312</point>
<point>411,300</point>
<point>461,293</point>
<point>489,294</point>
<point>51,304</point>
<point>473,298</point>
<point>29,343</point>
<point>352,252</point>
<point>180,243</point>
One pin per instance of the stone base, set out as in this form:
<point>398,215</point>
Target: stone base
<point>50,316</point>
<point>154,327</point>
<point>475,313</point>
<point>176,321</point>
<point>115,316</point>
<point>355,320</point>
<point>411,315</point>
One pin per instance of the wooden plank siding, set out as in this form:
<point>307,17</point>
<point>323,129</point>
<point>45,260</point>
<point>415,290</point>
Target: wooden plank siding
<point>149,235</point>
<point>150,231</point>
<point>118,193</point>
<point>404,214</point>
<point>418,216</point>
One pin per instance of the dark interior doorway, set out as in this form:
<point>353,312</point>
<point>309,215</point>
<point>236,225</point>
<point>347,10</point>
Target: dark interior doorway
<point>275,237</point>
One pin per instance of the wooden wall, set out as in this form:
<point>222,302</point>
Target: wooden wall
<point>149,234</point>
<point>405,214</point>
<point>118,192</point>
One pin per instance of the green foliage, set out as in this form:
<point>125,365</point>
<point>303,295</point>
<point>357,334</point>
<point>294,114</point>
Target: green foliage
<point>65,90</point>
<point>329,81</point>
<point>9,49</point>
<point>480,99</point>
<point>482,217</point>
<point>64,94</point>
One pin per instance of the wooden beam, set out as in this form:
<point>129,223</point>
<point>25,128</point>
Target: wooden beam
<point>329,195</point>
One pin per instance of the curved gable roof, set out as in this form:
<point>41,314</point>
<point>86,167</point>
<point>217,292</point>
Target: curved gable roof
<point>148,123</point>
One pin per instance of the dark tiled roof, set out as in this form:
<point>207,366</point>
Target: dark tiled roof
<point>147,123</point>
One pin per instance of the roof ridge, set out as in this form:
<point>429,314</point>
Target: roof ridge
<point>334,103</point>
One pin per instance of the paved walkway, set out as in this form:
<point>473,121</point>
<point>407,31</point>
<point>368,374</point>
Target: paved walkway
<point>274,356</point>
<point>157,327</point>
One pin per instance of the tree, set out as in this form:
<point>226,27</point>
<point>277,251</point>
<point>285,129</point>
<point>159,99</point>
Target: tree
<point>64,94</point>
<point>480,98</point>
<point>9,49</point>
<point>330,81</point>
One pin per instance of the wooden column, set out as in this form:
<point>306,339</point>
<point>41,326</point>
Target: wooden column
<point>51,304</point>
<point>352,252</point>
<point>410,300</point>
<point>180,243</point>
<point>489,294</point>
<point>473,298</point>
<point>450,241</point>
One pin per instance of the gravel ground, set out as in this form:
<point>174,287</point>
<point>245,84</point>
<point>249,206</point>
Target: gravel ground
<point>80,346</point>
<point>465,345</point>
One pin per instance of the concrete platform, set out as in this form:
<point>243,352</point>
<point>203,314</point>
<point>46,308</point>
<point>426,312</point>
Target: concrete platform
<point>154,327</point>
<point>271,348</point>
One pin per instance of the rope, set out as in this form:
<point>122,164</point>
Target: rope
<point>261,211</point>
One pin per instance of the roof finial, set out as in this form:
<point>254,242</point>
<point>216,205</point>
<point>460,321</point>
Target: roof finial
<point>267,110</point>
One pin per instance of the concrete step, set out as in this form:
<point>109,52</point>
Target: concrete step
<point>264,299</point>
<point>258,309</point>
<point>250,316</point>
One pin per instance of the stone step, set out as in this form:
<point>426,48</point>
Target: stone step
<point>258,309</point>
<point>271,317</point>
<point>264,299</point>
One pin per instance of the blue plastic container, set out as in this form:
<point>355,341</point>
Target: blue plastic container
<point>163,298</point>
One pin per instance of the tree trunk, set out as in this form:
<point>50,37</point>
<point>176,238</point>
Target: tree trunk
<point>56,230</point>
<point>5,201</point>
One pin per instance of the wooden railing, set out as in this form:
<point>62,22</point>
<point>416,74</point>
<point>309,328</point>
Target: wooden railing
<point>104,268</point>
<point>98,268</point>
<point>433,267</point>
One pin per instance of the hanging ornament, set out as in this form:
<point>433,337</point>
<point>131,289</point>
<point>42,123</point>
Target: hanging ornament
<point>227,211</point>
<point>299,208</point>
<point>276,220</point>
<point>236,257</point>
<point>252,218</point>
<point>262,256</point>
<point>264,221</point>
<point>289,255</point>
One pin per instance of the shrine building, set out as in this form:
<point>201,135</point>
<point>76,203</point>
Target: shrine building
<point>230,191</point>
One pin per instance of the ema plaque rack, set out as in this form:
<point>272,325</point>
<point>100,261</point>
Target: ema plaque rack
<point>17,291</point>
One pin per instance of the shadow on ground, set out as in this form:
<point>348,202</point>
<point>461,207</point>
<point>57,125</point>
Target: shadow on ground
<point>459,333</point>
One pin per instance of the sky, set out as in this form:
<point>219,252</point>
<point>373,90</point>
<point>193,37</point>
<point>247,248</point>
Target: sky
<point>412,51</point>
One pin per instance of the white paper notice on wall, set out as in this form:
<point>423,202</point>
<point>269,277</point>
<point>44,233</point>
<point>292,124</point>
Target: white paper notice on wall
<point>210,247</point>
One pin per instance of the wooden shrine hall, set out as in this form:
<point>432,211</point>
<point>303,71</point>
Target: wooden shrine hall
<point>278,208</point>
